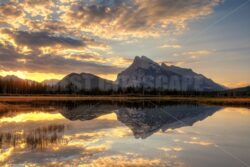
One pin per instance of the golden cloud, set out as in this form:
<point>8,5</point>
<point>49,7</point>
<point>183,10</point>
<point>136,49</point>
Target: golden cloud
<point>106,19</point>
<point>198,53</point>
<point>43,35</point>
<point>138,18</point>
<point>174,46</point>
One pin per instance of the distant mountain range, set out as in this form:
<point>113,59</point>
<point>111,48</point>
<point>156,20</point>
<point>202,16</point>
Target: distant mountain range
<point>142,73</point>
<point>15,78</point>
<point>50,82</point>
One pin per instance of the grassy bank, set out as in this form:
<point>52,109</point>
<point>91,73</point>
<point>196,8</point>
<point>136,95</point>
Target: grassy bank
<point>201,100</point>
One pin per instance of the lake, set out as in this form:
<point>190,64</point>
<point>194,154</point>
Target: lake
<point>123,133</point>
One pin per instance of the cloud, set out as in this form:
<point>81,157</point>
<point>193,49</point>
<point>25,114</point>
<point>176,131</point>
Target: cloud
<point>125,161</point>
<point>197,141</point>
<point>42,8</point>
<point>135,18</point>
<point>167,149</point>
<point>174,46</point>
<point>45,39</point>
<point>194,54</point>
<point>107,19</point>
<point>46,52</point>
<point>9,10</point>
<point>180,63</point>
<point>44,35</point>
<point>198,53</point>
<point>39,39</point>
<point>49,63</point>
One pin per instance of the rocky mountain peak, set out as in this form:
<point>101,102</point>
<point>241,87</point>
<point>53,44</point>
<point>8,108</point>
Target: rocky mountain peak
<point>143,62</point>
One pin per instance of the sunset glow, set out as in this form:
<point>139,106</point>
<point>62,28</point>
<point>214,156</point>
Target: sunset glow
<point>41,40</point>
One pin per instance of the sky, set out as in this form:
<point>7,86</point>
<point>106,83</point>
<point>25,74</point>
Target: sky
<point>45,39</point>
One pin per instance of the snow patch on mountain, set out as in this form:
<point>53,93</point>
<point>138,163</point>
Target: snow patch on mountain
<point>146,73</point>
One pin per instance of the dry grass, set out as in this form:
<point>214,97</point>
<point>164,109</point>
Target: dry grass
<point>203,100</point>
<point>2,106</point>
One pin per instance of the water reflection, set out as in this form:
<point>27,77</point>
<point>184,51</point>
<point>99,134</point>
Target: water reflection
<point>38,138</point>
<point>104,132</point>
<point>146,121</point>
<point>144,118</point>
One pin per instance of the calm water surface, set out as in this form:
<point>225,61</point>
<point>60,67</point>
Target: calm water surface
<point>131,133</point>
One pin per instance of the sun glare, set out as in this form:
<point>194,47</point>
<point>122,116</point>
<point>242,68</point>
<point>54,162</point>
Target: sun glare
<point>39,77</point>
<point>19,74</point>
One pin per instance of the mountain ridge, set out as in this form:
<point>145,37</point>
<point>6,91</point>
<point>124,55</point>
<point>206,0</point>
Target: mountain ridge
<point>84,81</point>
<point>142,73</point>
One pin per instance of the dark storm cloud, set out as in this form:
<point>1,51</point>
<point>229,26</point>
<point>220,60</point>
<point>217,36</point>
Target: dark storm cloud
<point>38,39</point>
<point>8,53</point>
<point>49,63</point>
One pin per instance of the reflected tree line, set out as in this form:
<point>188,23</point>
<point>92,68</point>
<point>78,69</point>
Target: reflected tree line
<point>29,87</point>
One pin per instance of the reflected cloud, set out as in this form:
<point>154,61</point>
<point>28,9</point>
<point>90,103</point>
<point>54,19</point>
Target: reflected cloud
<point>202,143</point>
<point>167,149</point>
<point>34,116</point>
<point>131,160</point>
<point>242,111</point>
<point>112,116</point>
<point>5,154</point>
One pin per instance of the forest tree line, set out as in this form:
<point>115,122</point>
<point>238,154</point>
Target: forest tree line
<point>26,87</point>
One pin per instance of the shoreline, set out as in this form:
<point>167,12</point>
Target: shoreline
<point>224,101</point>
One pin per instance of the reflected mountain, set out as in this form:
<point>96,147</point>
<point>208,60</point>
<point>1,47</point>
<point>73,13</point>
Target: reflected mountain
<point>145,122</point>
<point>144,118</point>
<point>87,112</point>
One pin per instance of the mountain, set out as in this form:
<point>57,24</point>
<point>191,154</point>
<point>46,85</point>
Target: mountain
<point>244,91</point>
<point>191,77</point>
<point>84,81</point>
<point>50,82</point>
<point>11,77</point>
<point>15,78</point>
<point>144,72</point>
